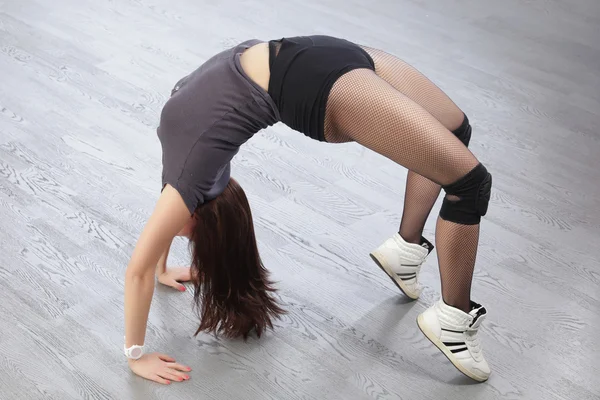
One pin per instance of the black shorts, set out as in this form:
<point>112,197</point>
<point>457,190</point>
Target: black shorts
<point>302,74</point>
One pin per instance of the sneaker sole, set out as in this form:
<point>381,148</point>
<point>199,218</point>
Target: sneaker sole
<point>380,261</point>
<point>433,339</point>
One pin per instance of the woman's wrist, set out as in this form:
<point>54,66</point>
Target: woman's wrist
<point>161,268</point>
<point>132,361</point>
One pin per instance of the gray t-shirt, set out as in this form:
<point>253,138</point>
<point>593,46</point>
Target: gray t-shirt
<point>211,113</point>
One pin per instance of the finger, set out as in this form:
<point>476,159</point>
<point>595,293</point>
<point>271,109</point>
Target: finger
<point>174,284</point>
<point>160,379</point>
<point>184,274</point>
<point>174,375</point>
<point>166,280</point>
<point>165,357</point>
<point>179,367</point>
<point>178,374</point>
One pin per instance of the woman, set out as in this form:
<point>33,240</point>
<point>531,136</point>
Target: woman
<point>333,91</point>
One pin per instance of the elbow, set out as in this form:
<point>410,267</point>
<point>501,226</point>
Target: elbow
<point>136,274</point>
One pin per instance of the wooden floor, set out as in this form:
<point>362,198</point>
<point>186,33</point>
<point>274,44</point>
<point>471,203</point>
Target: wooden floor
<point>82,84</point>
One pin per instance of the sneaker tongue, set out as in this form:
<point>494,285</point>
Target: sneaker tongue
<point>427,245</point>
<point>478,315</point>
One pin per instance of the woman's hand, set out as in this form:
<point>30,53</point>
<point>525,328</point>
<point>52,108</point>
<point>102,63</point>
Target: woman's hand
<point>172,276</point>
<point>159,368</point>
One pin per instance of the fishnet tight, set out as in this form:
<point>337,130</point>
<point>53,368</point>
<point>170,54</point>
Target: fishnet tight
<point>400,114</point>
<point>421,193</point>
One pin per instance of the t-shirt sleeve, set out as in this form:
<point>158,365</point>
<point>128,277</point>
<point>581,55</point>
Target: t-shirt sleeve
<point>197,166</point>
<point>203,174</point>
<point>197,151</point>
<point>192,198</point>
<point>199,185</point>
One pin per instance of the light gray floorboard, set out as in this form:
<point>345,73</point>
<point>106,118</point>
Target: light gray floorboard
<point>81,89</point>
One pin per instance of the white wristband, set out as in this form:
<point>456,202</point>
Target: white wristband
<point>134,352</point>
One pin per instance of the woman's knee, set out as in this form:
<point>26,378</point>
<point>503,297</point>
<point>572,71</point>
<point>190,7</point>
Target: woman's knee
<point>467,199</point>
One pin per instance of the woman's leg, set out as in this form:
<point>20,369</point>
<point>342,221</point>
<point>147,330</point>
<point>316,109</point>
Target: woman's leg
<point>421,193</point>
<point>365,108</point>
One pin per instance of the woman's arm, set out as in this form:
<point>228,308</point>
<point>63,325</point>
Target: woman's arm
<point>171,276</point>
<point>161,267</point>
<point>169,216</point>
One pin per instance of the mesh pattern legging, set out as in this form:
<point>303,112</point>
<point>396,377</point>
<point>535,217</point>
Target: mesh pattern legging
<point>399,113</point>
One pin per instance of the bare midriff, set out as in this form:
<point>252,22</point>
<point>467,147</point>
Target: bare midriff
<point>255,62</point>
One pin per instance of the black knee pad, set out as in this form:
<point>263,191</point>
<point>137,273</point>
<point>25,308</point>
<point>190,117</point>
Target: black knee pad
<point>463,132</point>
<point>473,192</point>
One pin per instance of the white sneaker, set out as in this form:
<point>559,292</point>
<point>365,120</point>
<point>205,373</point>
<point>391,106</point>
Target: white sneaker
<point>402,262</point>
<point>454,332</point>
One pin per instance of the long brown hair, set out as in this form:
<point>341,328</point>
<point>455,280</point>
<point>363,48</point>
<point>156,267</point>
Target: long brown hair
<point>233,294</point>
